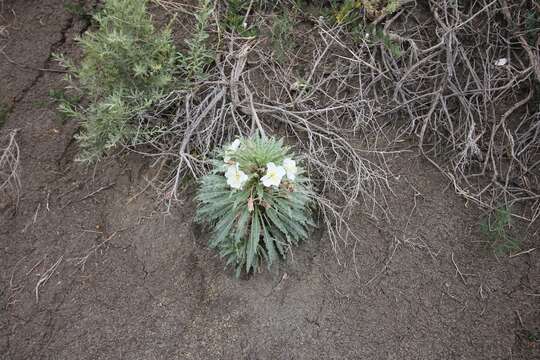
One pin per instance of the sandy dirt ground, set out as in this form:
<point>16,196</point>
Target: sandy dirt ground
<point>88,270</point>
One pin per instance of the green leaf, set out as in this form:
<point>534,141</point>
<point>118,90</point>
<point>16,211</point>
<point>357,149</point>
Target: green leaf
<point>241,225</point>
<point>269,243</point>
<point>253,243</point>
<point>222,228</point>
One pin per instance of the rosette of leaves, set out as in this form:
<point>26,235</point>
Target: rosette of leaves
<point>257,207</point>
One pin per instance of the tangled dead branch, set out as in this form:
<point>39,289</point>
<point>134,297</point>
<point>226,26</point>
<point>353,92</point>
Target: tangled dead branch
<point>460,85</point>
<point>248,92</point>
<point>469,89</point>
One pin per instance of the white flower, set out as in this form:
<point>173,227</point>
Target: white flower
<point>231,149</point>
<point>236,178</point>
<point>290,167</point>
<point>273,176</point>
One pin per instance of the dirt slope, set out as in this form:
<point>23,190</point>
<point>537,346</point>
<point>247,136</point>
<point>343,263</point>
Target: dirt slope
<point>150,288</point>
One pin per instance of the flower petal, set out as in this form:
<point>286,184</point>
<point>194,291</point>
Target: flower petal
<point>243,177</point>
<point>270,166</point>
<point>231,170</point>
<point>235,145</point>
<point>280,171</point>
<point>266,181</point>
<point>290,168</point>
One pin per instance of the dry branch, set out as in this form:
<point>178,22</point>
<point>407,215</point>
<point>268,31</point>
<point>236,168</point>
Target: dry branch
<point>475,120</point>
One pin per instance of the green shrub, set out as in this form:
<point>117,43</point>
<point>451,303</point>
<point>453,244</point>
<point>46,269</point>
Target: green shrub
<point>126,65</point>
<point>198,56</point>
<point>126,52</point>
<point>257,201</point>
<point>105,124</point>
<point>282,31</point>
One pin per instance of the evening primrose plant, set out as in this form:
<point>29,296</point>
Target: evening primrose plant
<point>258,202</point>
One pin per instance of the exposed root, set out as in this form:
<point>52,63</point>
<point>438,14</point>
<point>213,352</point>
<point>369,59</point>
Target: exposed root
<point>10,183</point>
<point>46,276</point>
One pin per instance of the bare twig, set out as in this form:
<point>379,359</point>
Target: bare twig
<point>46,276</point>
<point>88,196</point>
<point>81,261</point>
<point>457,270</point>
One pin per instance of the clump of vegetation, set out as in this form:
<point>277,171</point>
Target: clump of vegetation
<point>199,56</point>
<point>281,35</point>
<point>352,10</point>
<point>357,16</point>
<point>126,66</point>
<point>126,52</point>
<point>235,18</point>
<point>258,202</point>
<point>63,100</point>
<point>60,96</point>
<point>497,228</point>
<point>78,10</point>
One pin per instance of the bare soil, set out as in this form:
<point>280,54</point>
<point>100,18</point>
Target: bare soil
<point>88,270</point>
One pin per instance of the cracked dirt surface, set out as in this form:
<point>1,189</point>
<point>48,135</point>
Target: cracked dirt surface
<point>20,64</point>
<point>130,283</point>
